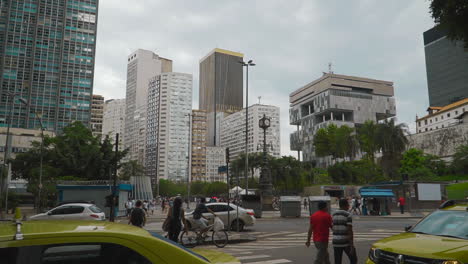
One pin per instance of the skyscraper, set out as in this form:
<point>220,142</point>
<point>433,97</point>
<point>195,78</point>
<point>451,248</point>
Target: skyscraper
<point>221,90</point>
<point>446,67</point>
<point>168,126</point>
<point>142,66</point>
<point>198,150</point>
<point>47,51</point>
<point>114,118</point>
<point>97,114</point>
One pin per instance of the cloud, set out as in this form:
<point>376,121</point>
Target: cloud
<point>291,42</point>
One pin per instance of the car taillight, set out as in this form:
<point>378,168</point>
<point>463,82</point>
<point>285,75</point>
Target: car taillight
<point>94,216</point>
<point>251,213</point>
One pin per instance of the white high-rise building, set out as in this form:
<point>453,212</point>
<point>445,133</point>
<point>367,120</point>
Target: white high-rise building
<point>233,131</point>
<point>114,119</point>
<point>141,67</point>
<point>168,126</point>
<point>215,158</point>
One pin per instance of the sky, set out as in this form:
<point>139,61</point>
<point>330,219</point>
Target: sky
<point>292,42</point>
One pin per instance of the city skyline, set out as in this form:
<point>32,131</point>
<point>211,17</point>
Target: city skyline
<point>287,51</point>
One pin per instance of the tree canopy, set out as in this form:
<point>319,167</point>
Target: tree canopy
<point>452,16</point>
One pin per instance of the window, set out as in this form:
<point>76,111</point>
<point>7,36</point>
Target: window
<point>456,112</point>
<point>448,115</point>
<point>95,209</point>
<point>74,209</point>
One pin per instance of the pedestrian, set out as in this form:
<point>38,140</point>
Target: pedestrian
<point>320,224</point>
<point>401,204</point>
<point>152,206</point>
<point>176,217</point>
<point>305,203</point>
<point>137,216</point>
<point>163,205</point>
<point>343,234</point>
<point>128,207</point>
<point>199,220</point>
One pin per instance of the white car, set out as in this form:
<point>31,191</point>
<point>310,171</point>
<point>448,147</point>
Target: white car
<point>72,211</point>
<point>246,216</point>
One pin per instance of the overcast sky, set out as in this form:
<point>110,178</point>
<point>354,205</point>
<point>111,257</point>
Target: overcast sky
<point>291,42</point>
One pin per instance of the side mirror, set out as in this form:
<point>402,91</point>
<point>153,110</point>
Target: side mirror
<point>49,213</point>
<point>407,228</point>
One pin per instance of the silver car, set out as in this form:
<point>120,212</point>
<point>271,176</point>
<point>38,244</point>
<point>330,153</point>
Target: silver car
<point>72,211</point>
<point>246,216</point>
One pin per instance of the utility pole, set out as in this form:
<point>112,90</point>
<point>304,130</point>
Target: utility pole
<point>228,188</point>
<point>114,184</point>
<point>189,169</point>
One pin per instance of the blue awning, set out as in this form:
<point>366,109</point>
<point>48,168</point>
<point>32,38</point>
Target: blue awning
<point>376,192</point>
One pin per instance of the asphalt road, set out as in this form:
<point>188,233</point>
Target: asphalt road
<point>282,240</point>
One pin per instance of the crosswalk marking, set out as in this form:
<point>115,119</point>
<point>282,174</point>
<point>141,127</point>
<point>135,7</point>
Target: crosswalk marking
<point>272,234</point>
<point>273,261</point>
<point>253,257</point>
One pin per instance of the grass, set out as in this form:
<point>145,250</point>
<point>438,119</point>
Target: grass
<point>457,191</point>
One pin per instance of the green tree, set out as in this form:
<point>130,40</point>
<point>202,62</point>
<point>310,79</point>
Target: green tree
<point>460,160</point>
<point>322,143</point>
<point>415,164</point>
<point>452,16</point>
<point>368,141</point>
<point>392,142</point>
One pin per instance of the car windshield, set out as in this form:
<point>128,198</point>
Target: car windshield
<point>95,209</point>
<point>444,223</point>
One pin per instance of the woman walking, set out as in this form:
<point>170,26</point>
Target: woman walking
<point>176,217</point>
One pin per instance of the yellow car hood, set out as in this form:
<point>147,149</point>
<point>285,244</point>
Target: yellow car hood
<point>425,246</point>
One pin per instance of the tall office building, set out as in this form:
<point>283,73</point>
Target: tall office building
<point>446,67</point>
<point>97,114</point>
<point>114,119</point>
<point>47,51</point>
<point>141,67</point>
<point>215,158</point>
<point>168,126</point>
<point>198,150</point>
<point>221,90</point>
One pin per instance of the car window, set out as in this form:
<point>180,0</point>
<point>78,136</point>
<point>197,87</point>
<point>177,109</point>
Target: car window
<point>59,210</point>
<point>72,254</point>
<point>445,223</point>
<point>74,209</point>
<point>95,209</point>
<point>225,208</point>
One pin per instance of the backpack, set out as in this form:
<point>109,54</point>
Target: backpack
<point>137,216</point>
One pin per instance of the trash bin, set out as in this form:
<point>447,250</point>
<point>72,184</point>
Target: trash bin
<point>313,203</point>
<point>290,206</point>
<point>254,202</point>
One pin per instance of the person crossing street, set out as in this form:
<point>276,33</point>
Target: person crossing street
<point>343,234</point>
<point>320,225</point>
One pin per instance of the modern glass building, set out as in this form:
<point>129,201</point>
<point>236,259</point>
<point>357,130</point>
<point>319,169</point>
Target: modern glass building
<point>447,68</point>
<point>47,52</point>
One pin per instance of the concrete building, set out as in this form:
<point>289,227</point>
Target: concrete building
<point>442,117</point>
<point>114,119</point>
<point>142,65</point>
<point>97,114</point>
<point>233,131</point>
<point>215,157</point>
<point>48,51</point>
<point>168,126</point>
<point>20,140</point>
<point>340,100</point>
<point>221,89</point>
<point>446,67</point>
<point>198,150</point>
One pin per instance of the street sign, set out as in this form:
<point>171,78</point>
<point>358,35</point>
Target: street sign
<point>222,169</point>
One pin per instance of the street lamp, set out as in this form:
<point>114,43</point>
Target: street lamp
<point>189,169</point>
<point>247,64</point>
<point>24,102</point>
<point>265,179</point>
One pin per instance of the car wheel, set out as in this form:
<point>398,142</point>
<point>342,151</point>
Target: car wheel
<point>234,225</point>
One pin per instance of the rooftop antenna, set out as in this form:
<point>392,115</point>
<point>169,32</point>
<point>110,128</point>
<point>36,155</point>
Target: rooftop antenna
<point>330,68</point>
<point>259,99</point>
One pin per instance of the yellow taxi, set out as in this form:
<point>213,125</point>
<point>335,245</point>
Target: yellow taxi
<point>439,238</point>
<point>85,242</point>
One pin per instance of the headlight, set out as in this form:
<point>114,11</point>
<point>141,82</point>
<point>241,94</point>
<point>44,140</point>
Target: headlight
<point>374,254</point>
<point>451,262</point>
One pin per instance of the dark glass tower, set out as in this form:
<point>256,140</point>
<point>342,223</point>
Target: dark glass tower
<point>447,68</point>
<point>47,52</point>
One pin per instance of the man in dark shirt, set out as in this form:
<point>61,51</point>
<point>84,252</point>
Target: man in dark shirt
<point>137,216</point>
<point>199,220</point>
<point>343,234</point>
<point>320,224</point>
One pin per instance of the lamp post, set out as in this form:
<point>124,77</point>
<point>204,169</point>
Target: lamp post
<point>24,102</point>
<point>189,168</point>
<point>265,178</point>
<point>247,64</point>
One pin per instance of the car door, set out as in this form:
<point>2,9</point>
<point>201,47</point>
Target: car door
<point>75,212</point>
<point>57,213</point>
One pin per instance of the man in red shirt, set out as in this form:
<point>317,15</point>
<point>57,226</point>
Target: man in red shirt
<point>320,225</point>
<point>401,203</point>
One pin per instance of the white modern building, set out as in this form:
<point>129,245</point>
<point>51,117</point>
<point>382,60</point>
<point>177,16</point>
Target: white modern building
<point>339,100</point>
<point>233,131</point>
<point>114,119</point>
<point>215,158</point>
<point>168,126</point>
<point>142,65</point>
<point>442,117</point>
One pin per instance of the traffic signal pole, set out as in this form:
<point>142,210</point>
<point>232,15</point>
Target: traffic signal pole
<point>114,184</point>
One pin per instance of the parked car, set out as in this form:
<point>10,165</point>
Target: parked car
<point>441,237</point>
<point>72,211</point>
<point>91,242</point>
<point>246,216</point>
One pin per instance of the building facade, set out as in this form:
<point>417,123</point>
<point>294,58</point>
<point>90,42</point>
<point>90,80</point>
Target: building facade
<point>97,115</point>
<point>114,119</point>
<point>446,67</point>
<point>215,158</point>
<point>20,140</point>
<point>198,150</point>
<point>233,131</point>
<point>142,65</point>
<point>340,100</point>
<point>221,89</point>
<point>47,51</point>
<point>442,117</point>
<point>168,126</point>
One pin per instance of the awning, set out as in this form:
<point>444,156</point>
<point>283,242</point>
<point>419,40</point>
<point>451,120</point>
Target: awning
<point>376,193</point>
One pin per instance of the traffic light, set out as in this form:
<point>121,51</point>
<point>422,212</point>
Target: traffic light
<point>227,155</point>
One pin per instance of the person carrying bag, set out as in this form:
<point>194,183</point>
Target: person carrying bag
<point>173,222</point>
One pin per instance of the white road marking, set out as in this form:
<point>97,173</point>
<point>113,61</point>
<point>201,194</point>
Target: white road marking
<point>253,257</point>
<point>273,261</point>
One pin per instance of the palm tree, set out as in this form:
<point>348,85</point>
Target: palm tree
<point>392,141</point>
<point>367,135</point>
